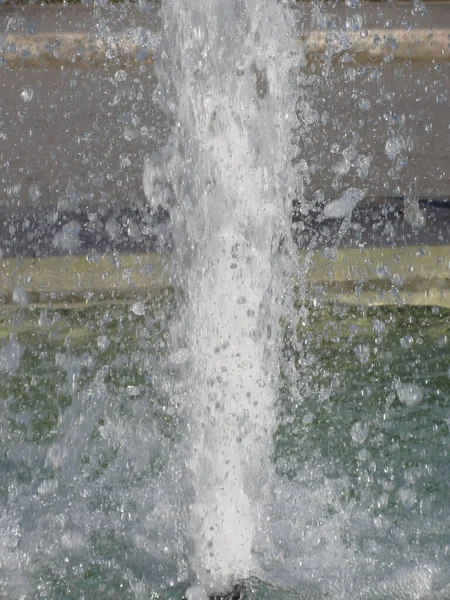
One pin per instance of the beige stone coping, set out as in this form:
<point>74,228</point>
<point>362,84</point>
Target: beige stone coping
<point>53,49</point>
<point>412,275</point>
<point>374,276</point>
<point>379,44</point>
<point>82,48</point>
<point>78,280</point>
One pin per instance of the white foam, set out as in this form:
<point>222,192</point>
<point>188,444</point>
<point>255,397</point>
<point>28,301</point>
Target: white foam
<point>225,75</point>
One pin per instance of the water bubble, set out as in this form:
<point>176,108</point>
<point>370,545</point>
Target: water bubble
<point>74,541</point>
<point>378,326</point>
<point>397,280</point>
<point>382,270</point>
<point>363,165</point>
<point>344,205</point>
<point>307,114</point>
<point>409,393</point>
<point>354,22</point>
<point>13,190</point>
<point>138,308</point>
<point>27,94</point>
<point>308,418</point>
<point>120,75</point>
<point>133,391</point>
<point>73,194</point>
<point>413,214</point>
<point>364,103</point>
<point>20,296</point>
<point>48,486</point>
<point>362,352</point>
<point>350,74</point>
<point>34,192</point>
<point>112,229</point>
<point>418,8</point>
<point>359,432</point>
<point>406,342</point>
<point>394,146</point>
<point>179,357</point>
<point>68,240</point>
<point>10,356</point>
<point>103,342</point>
<point>407,496</point>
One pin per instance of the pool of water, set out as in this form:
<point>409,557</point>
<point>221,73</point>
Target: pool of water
<point>92,491</point>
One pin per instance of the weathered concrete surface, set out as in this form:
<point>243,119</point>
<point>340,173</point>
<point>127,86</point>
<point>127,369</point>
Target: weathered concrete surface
<point>76,137</point>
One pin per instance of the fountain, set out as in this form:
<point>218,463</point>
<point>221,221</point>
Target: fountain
<point>225,74</point>
<point>217,385</point>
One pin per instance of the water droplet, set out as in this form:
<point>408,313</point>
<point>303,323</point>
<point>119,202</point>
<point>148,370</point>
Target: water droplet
<point>179,357</point>
<point>48,486</point>
<point>419,9</point>
<point>27,94</point>
<point>68,240</point>
<point>138,308</point>
<point>407,496</point>
<point>359,432</point>
<point>20,296</point>
<point>406,342</point>
<point>344,205</point>
<point>364,103</point>
<point>362,352</point>
<point>363,165</point>
<point>378,326</point>
<point>103,342</point>
<point>394,146</point>
<point>132,391</point>
<point>410,393</point>
<point>34,192</point>
<point>120,75</point>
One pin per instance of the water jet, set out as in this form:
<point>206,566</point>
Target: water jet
<point>235,376</point>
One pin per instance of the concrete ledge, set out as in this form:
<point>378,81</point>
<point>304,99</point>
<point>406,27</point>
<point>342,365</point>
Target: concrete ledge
<point>78,280</point>
<point>379,44</point>
<point>410,275</point>
<point>374,276</point>
<point>52,49</point>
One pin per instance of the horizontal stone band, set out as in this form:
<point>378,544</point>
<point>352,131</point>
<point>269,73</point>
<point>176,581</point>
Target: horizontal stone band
<point>372,44</point>
<point>371,276</point>
<point>395,44</point>
<point>69,48</point>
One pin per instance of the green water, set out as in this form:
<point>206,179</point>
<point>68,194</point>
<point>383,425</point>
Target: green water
<point>90,433</point>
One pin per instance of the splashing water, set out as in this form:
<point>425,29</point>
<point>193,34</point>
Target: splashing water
<point>225,75</point>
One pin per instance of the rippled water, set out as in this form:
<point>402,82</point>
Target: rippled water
<point>90,442</point>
